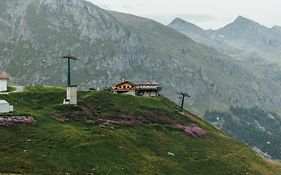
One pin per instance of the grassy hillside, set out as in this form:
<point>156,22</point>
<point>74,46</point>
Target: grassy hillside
<point>258,125</point>
<point>255,126</point>
<point>72,140</point>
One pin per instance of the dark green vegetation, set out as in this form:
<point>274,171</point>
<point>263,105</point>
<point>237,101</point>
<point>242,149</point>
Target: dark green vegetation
<point>257,47</point>
<point>11,88</point>
<point>112,46</point>
<point>78,146</point>
<point>253,126</point>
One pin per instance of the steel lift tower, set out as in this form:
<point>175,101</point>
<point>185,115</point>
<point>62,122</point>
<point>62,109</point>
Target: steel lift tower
<point>183,95</point>
<point>71,90</point>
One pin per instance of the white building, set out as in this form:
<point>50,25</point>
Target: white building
<point>4,78</point>
<point>5,107</point>
<point>71,95</point>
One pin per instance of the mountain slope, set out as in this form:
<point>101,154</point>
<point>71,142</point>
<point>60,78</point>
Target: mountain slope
<point>242,33</point>
<point>85,145</point>
<point>189,29</point>
<point>256,127</point>
<point>112,46</point>
<point>254,46</point>
<point>251,33</point>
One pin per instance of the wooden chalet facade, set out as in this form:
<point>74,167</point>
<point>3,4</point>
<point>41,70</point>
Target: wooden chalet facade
<point>125,87</point>
<point>142,89</point>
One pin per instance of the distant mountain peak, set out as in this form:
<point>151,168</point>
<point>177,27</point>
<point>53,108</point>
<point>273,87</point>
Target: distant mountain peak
<point>276,28</point>
<point>243,20</point>
<point>183,25</point>
<point>242,25</point>
<point>239,18</point>
<point>178,20</point>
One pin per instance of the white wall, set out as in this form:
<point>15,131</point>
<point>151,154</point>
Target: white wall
<point>150,94</point>
<point>131,92</point>
<point>4,107</point>
<point>71,95</point>
<point>3,85</point>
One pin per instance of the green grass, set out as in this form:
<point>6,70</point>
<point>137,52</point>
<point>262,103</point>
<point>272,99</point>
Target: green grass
<point>43,89</point>
<point>11,88</point>
<point>77,147</point>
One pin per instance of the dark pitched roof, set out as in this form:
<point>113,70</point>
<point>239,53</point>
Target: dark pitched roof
<point>125,82</point>
<point>149,83</point>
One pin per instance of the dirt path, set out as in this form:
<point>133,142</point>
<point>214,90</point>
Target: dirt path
<point>17,90</point>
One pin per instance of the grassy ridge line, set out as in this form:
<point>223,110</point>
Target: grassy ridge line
<point>75,147</point>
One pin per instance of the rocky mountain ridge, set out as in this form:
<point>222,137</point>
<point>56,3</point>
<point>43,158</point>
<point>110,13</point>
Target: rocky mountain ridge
<point>256,47</point>
<point>112,46</point>
<point>243,35</point>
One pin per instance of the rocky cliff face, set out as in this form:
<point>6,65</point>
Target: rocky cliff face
<point>251,44</point>
<point>112,46</point>
<point>249,33</point>
<point>242,36</point>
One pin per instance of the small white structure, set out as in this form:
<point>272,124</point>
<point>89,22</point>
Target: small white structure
<point>71,95</point>
<point>4,78</point>
<point>5,107</point>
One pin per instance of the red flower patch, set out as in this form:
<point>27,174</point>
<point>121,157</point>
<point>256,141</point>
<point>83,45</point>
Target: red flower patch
<point>193,130</point>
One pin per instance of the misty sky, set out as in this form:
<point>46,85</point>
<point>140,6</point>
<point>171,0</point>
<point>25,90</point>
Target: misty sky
<point>205,13</point>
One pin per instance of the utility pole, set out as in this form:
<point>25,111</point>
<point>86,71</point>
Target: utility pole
<point>71,90</point>
<point>182,100</point>
<point>68,68</point>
